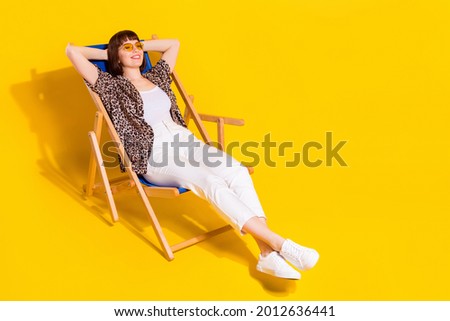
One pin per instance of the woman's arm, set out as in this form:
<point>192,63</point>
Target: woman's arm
<point>80,56</point>
<point>169,48</point>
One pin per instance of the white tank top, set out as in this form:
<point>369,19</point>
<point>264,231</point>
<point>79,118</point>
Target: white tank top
<point>156,106</point>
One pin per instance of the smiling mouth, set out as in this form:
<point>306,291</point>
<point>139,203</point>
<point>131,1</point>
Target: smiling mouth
<point>136,57</point>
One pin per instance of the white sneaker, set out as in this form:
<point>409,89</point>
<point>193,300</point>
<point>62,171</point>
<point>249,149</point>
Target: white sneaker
<point>275,265</point>
<point>301,257</point>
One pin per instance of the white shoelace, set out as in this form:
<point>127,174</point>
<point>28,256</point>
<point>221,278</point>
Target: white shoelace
<point>295,253</point>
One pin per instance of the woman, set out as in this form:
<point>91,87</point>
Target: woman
<point>145,114</point>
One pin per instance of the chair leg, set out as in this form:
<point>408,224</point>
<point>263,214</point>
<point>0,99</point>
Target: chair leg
<point>92,163</point>
<point>99,160</point>
<point>200,238</point>
<point>220,133</point>
<point>155,223</point>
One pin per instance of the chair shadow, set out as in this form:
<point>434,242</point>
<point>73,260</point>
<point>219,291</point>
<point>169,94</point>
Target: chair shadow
<point>61,113</point>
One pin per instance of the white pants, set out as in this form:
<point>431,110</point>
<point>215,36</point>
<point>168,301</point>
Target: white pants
<point>207,171</point>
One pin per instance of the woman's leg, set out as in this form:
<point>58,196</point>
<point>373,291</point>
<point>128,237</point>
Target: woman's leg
<point>228,187</point>
<point>266,239</point>
<point>202,183</point>
<point>251,228</point>
<point>240,183</point>
<point>223,165</point>
<point>263,247</point>
<point>208,172</point>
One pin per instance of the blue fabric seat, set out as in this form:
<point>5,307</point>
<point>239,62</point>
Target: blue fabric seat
<point>103,65</point>
<point>150,184</point>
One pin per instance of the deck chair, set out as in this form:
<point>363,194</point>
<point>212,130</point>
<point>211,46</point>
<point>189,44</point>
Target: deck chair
<point>144,188</point>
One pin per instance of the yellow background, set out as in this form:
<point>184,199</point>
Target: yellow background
<point>375,73</point>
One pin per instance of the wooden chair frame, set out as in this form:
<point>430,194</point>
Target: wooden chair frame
<point>113,186</point>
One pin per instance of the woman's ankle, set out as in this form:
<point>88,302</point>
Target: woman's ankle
<point>278,244</point>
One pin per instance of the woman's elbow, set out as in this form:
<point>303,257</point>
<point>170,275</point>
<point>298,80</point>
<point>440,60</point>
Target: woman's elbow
<point>69,50</point>
<point>176,43</point>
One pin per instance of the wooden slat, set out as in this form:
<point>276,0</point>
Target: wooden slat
<point>162,192</point>
<point>187,115</point>
<point>99,160</point>
<point>112,132</point>
<point>123,186</point>
<point>220,133</point>
<point>226,120</point>
<point>120,149</point>
<point>199,238</point>
<point>92,163</point>
<point>153,219</point>
<point>189,105</point>
<point>193,113</point>
<point>99,187</point>
<point>124,183</point>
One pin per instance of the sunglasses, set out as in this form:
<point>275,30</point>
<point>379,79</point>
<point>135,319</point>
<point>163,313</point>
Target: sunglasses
<point>129,46</point>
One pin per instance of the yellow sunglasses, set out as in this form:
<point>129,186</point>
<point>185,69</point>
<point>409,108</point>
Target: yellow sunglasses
<point>129,46</point>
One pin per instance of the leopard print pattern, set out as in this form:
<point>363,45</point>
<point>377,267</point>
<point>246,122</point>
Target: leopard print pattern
<point>125,107</point>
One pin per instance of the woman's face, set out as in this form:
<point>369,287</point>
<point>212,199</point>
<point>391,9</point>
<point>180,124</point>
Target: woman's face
<point>131,54</point>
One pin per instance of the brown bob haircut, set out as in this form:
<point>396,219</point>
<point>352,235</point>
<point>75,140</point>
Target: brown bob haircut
<point>115,68</point>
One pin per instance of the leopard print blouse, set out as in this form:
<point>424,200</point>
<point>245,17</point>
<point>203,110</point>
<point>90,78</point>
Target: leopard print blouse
<point>126,110</point>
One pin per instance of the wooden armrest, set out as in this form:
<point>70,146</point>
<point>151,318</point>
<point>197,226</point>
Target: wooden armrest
<point>226,120</point>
